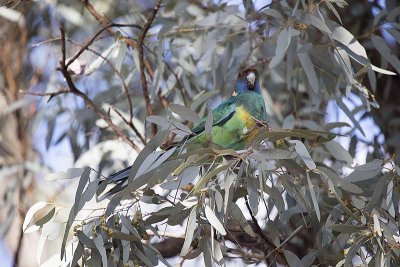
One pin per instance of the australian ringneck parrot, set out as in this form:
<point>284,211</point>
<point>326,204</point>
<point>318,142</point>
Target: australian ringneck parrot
<point>234,120</point>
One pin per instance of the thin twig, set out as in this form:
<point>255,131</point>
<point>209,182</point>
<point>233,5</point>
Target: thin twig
<point>96,14</point>
<point>258,229</point>
<point>130,123</point>
<point>90,42</point>
<point>252,256</point>
<point>74,90</point>
<point>178,82</point>
<point>143,80</point>
<point>51,94</point>
<point>104,21</point>
<point>119,74</point>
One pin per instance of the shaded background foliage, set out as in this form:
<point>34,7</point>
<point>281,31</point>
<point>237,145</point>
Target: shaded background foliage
<point>192,54</point>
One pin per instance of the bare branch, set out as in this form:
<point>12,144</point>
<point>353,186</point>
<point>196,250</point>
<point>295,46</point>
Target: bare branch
<point>51,94</point>
<point>258,229</point>
<point>74,90</point>
<point>119,74</point>
<point>130,123</point>
<point>90,42</point>
<point>178,82</point>
<point>104,21</point>
<point>140,47</point>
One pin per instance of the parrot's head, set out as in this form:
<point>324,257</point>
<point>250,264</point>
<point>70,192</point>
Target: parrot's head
<point>247,80</point>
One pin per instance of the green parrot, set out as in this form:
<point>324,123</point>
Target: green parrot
<point>234,121</point>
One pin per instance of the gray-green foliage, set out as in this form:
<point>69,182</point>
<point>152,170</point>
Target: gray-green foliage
<point>317,211</point>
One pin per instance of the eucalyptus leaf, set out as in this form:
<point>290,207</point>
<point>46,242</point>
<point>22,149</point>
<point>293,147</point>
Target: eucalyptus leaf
<point>185,113</point>
<point>29,215</point>
<point>209,122</point>
<point>190,227</point>
<point>236,214</point>
<point>366,171</point>
<point>306,63</point>
<point>338,152</point>
<point>292,259</point>
<point>313,197</point>
<point>385,51</point>
<point>99,243</point>
<point>76,207</point>
<point>303,153</point>
<point>358,242</point>
<point>214,221</point>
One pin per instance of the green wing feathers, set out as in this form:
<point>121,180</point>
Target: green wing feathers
<point>233,121</point>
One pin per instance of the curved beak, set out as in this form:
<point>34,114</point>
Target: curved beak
<point>251,78</point>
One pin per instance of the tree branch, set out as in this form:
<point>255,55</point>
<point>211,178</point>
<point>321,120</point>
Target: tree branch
<point>51,94</point>
<point>130,123</point>
<point>74,90</point>
<point>258,229</point>
<point>90,42</point>
<point>104,22</point>
<point>140,47</point>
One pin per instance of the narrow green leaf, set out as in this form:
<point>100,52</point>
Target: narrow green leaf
<point>282,45</point>
<point>77,254</point>
<point>303,153</point>
<point>358,242</point>
<point>121,54</point>
<point>292,259</point>
<point>338,152</point>
<point>386,53</point>
<point>313,197</point>
<point>214,221</point>
<point>343,36</point>
<point>159,173</point>
<point>29,215</point>
<point>309,259</point>
<point>152,145</point>
<point>350,115</point>
<point>366,171</point>
<point>317,23</point>
<point>85,240</point>
<point>273,13</point>
<point>377,196</point>
<point>185,113</point>
<point>202,98</point>
<point>236,214</point>
<point>129,227</point>
<point>389,199</point>
<point>274,154</point>
<point>139,254</point>
<point>217,253</point>
<point>99,243</point>
<point>308,66</point>
<point>190,227</point>
<point>46,217</point>
<point>99,61</point>
<point>76,207</point>
<point>337,181</point>
<point>204,180</point>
